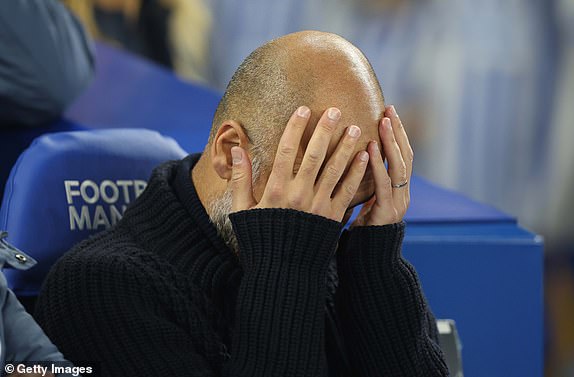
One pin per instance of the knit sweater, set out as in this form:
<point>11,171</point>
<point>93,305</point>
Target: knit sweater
<point>161,294</point>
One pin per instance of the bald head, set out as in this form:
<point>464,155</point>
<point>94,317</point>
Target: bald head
<point>311,68</point>
<point>319,70</point>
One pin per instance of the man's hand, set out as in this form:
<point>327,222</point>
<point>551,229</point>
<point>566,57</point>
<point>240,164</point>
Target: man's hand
<point>303,191</point>
<point>392,187</point>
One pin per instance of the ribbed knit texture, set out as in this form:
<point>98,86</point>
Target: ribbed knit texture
<point>285,257</point>
<point>380,303</point>
<point>161,294</point>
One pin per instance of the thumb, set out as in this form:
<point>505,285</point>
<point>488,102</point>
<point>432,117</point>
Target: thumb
<point>241,183</point>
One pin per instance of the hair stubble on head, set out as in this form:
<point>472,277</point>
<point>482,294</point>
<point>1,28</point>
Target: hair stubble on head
<point>260,98</point>
<point>305,68</point>
<point>271,83</point>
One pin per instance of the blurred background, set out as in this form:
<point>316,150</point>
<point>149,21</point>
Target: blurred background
<point>486,90</point>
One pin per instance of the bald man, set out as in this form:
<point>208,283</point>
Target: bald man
<point>232,262</point>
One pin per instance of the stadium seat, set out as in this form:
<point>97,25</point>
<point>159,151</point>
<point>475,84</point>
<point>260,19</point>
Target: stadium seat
<point>69,185</point>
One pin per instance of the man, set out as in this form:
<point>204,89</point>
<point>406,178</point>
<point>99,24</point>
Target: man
<point>231,262</point>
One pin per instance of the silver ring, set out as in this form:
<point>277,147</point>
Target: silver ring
<point>400,185</point>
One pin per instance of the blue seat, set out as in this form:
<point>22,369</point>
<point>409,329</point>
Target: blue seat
<point>69,185</point>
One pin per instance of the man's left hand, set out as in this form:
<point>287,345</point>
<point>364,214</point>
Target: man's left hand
<point>392,185</point>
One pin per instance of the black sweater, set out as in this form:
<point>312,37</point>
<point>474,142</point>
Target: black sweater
<point>160,294</point>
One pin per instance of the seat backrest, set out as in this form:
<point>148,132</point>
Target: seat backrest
<point>69,185</point>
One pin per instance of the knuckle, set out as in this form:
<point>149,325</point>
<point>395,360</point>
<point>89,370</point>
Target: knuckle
<point>308,170</point>
<point>286,150</point>
<point>275,191</point>
<point>387,181</point>
<point>317,208</point>
<point>297,200</point>
<point>237,176</point>
<point>349,189</point>
<point>395,215</point>
<point>314,157</point>
<point>347,149</point>
<point>325,127</point>
<point>341,206</point>
<point>332,171</point>
<point>402,171</point>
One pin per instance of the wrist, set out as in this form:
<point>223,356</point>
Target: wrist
<point>372,244</point>
<point>278,235</point>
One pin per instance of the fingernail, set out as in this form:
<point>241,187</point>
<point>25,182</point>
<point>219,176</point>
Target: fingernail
<point>303,112</point>
<point>387,123</point>
<point>334,114</point>
<point>364,156</point>
<point>375,146</point>
<point>236,155</point>
<point>354,131</point>
<point>394,111</point>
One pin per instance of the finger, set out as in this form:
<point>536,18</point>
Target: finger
<point>289,144</point>
<point>397,166</point>
<point>406,152</point>
<point>318,145</point>
<point>383,190</point>
<point>365,209</point>
<point>338,162</point>
<point>402,138</point>
<point>241,184</point>
<point>348,187</point>
<point>367,206</point>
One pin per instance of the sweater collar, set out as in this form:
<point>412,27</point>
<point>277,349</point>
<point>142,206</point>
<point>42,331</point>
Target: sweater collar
<point>169,220</point>
<point>187,195</point>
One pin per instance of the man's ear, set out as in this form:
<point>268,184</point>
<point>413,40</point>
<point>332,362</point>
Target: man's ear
<point>229,134</point>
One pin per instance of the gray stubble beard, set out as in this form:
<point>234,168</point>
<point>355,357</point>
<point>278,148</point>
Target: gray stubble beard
<point>221,207</point>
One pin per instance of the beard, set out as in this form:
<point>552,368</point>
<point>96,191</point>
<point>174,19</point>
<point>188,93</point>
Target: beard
<point>220,208</point>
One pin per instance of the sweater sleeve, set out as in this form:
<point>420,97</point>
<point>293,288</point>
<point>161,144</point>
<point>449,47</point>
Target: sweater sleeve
<point>280,312</point>
<point>386,322</point>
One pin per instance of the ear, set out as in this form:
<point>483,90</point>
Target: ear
<point>229,134</point>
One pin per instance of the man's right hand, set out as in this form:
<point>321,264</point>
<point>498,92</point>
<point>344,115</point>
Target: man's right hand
<point>304,191</point>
